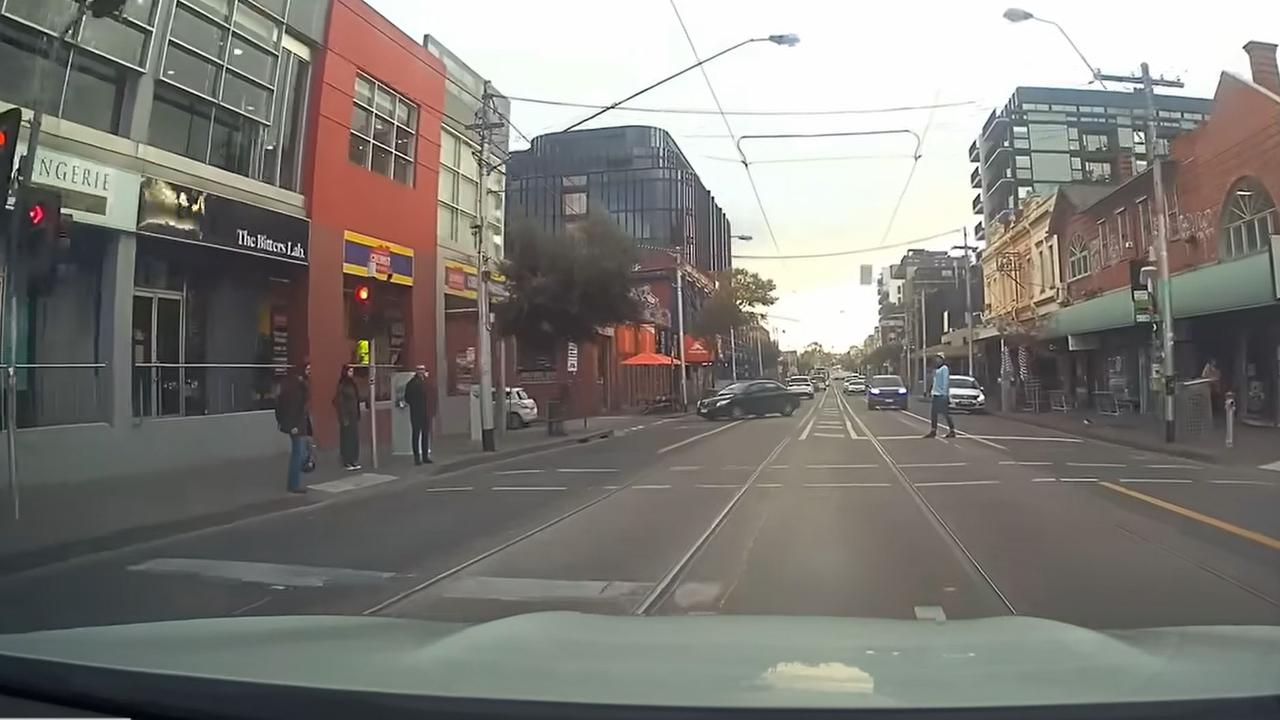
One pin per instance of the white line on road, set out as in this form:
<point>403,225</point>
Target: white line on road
<point>1172,467</point>
<point>768,485</point>
<point>930,612</point>
<point>955,482</point>
<point>586,470</point>
<point>778,467</point>
<point>1243,482</point>
<point>517,488</point>
<point>961,433</point>
<point>1271,466</point>
<point>1079,479</point>
<point>684,468</point>
<point>1155,480</point>
<point>650,487</point>
<point>1023,437</point>
<point>838,467</point>
<point>927,465</point>
<point>449,489</point>
<point>610,487</point>
<point>695,438</point>
<point>1106,465</point>
<point>717,485</point>
<point>808,429</point>
<point>842,485</point>
<point>1034,463</point>
<point>829,435</point>
<point>897,437</point>
<point>846,413</point>
<point>518,472</point>
<point>1044,479</point>
<point>739,467</point>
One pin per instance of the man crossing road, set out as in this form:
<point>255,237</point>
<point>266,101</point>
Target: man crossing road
<point>940,398</point>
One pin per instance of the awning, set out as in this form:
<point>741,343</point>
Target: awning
<point>650,359</point>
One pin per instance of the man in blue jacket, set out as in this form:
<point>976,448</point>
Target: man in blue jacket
<point>940,398</point>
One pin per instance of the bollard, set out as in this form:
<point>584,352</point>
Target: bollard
<point>1229,407</point>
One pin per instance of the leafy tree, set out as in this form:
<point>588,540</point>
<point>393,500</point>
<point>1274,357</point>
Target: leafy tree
<point>888,354</point>
<point>735,303</point>
<point>751,291</point>
<point>562,286</point>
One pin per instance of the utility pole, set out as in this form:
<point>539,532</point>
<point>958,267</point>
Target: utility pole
<point>733,354</point>
<point>684,385</point>
<point>1161,224</point>
<point>968,299</point>
<point>484,127</point>
<point>760,353</point>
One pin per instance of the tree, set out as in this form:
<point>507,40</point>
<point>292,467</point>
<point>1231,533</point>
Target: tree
<point>813,356</point>
<point>888,354</point>
<point>565,285</point>
<point>735,302</point>
<point>751,291</point>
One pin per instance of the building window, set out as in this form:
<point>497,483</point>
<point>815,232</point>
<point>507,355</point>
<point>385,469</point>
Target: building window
<point>457,193</point>
<point>1248,220</point>
<point>1097,171</point>
<point>1049,137</point>
<point>1104,243</point>
<point>1094,142</point>
<point>385,124</point>
<point>1051,167</point>
<point>1124,242</point>
<point>1144,226</point>
<point>1077,258</point>
<point>575,204</point>
<point>1023,162</point>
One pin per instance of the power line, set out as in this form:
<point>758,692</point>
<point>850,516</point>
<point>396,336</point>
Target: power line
<point>821,158</point>
<point>747,113</point>
<point>843,253</point>
<point>915,163</point>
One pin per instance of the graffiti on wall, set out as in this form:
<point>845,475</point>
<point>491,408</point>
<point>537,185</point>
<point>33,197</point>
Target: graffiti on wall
<point>1200,225</point>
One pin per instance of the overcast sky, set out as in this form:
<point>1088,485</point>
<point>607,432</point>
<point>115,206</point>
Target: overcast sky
<point>852,55</point>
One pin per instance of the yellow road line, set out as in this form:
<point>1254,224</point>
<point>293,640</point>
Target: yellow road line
<point>1253,535</point>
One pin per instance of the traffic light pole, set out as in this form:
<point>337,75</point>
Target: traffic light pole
<point>484,126</point>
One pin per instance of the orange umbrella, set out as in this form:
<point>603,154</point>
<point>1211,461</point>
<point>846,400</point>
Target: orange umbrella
<point>649,358</point>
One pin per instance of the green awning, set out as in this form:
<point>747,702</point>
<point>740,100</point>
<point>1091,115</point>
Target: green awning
<point>1112,310</point>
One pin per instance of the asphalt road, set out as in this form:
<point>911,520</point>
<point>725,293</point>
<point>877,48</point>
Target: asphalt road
<point>834,511</point>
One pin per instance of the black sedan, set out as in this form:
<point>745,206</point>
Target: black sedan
<point>753,397</point>
<point>886,391</point>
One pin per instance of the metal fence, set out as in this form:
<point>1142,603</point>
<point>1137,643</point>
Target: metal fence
<point>57,394</point>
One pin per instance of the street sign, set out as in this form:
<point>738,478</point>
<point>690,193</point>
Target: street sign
<point>1143,310</point>
<point>571,358</point>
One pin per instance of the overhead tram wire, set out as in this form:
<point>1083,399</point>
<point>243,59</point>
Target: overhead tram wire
<point>844,253</point>
<point>747,113</point>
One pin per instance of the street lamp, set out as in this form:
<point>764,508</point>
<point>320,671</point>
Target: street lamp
<point>744,238</point>
<point>1017,15</point>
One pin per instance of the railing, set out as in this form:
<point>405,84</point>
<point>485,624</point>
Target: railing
<point>192,389</point>
<point>57,394</point>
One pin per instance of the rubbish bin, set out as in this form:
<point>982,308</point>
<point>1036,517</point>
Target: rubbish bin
<point>556,417</point>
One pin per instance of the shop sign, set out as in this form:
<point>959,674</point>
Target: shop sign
<point>571,358</point>
<point>183,213</point>
<point>461,280</point>
<point>368,256</point>
<point>92,193</point>
<point>1143,310</point>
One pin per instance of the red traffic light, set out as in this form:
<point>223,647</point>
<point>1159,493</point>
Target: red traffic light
<point>362,294</point>
<point>4,139</point>
<point>36,214</point>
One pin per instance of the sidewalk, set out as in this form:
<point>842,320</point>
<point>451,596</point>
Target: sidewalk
<point>60,521</point>
<point>1254,446</point>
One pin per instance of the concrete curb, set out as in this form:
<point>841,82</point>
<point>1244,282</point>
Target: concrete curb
<point>1102,435</point>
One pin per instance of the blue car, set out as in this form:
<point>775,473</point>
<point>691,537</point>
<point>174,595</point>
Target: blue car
<point>886,391</point>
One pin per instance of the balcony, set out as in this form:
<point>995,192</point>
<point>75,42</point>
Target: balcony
<point>973,152</point>
<point>977,204</point>
<point>975,178</point>
<point>979,233</point>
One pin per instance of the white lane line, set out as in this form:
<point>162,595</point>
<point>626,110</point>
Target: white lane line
<point>898,437</point>
<point>739,467</point>
<point>450,489</point>
<point>1054,479</point>
<point>831,424</point>
<point>518,472</point>
<point>260,573</point>
<point>779,467</point>
<point>837,467</point>
<point>586,470</point>
<point>1243,482</point>
<point>684,468</point>
<point>1155,480</point>
<point>955,482</point>
<point>520,488</point>
<point>844,485</point>
<point>768,485</point>
<point>1033,463</point>
<point>961,433</point>
<point>610,487</point>
<point>650,487</point>
<point>1172,467</point>
<point>1275,466</point>
<point>717,485</point>
<point>808,428</point>
<point>846,412</point>
<point>1023,437</point>
<point>695,438</point>
<point>829,435</point>
<point>1105,465</point>
<point>926,465</point>
<point>1079,479</point>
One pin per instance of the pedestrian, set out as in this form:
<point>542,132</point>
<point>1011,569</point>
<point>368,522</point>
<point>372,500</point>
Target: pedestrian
<point>417,397</point>
<point>346,400</point>
<point>940,398</point>
<point>1214,375</point>
<point>293,416</point>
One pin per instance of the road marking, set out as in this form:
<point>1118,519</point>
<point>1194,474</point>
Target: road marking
<point>1053,479</point>
<point>778,467</point>
<point>930,612</point>
<point>1035,463</point>
<point>842,485</point>
<point>1022,437</point>
<point>808,428</point>
<point>1173,467</point>
<point>897,437</point>
<point>695,438</point>
<point>922,465</point>
<point>1271,466</point>
<point>846,412</point>
<point>1243,482</point>
<point>739,467</point>
<point>1253,535</point>
<point>650,487</point>
<point>838,467</point>
<point>1106,465</point>
<point>262,573</point>
<point>518,488</point>
<point>355,482</point>
<point>684,468</point>
<point>1079,479</point>
<point>831,424</point>
<point>540,589</point>
<point>449,489</point>
<point>955,482</point>
<point>982,440</point>
<point>1154,480</point>
<point>586,470</point>
<point>518,472</point>
<point>830,435</point>
<point>769,485</point>
<point>610,487</point>
<point>716,485</point>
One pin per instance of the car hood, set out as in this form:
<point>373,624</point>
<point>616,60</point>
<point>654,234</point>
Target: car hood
<point>688,661</point>
<point>965,392</point>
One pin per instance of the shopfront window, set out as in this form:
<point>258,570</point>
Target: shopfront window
<point>1249,218</point>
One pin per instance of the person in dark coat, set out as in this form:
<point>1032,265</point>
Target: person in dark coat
<point>418,398</point>
<point>346,400</point>
<point>293,416</point>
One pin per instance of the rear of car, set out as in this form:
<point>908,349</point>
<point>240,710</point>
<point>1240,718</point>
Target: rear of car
<point>855,385</point>
<point>886,391</point>
<point>966,395</point>
<point>800,385</point>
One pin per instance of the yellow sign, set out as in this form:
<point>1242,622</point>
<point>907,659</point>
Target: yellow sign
<point>460,280</point>
<point>362,352</point>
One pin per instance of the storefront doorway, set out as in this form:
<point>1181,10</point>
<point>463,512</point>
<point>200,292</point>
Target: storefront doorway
<point>157,353</point>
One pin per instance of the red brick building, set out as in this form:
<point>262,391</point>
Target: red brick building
<point>371,188</point>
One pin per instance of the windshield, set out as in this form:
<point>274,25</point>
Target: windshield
<point>647,310</point>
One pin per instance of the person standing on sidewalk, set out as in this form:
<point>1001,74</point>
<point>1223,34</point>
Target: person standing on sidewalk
<point>940,399</point>
<point>346,400</point>
<point>293,416</point>
<point>418,398</point>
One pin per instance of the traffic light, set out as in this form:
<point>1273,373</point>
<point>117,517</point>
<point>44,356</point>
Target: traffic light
<point>361,316</point>
<point>10,122</point>
<point>41,216</point>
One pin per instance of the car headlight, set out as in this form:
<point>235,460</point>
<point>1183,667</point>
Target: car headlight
<point>982,399</point>
<point>902,391</point>
<point>722,401</point>
<point>875,391</point>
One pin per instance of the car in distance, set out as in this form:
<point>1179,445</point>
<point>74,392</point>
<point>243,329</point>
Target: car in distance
<point>886,391</point>
<point>855,385</point>
<point>753,397</point>
<point>800,385</point>
<point>966,394</point>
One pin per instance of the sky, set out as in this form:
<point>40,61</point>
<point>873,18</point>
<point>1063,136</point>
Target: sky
<point>828,194</point>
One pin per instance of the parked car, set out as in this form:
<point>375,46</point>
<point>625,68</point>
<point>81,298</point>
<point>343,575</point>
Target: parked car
<point>754,397</point>
<point>521,409</point>
<point>800,385</point>
<point>886,391</point>
<point>855,385</point>
<point>966,394</point>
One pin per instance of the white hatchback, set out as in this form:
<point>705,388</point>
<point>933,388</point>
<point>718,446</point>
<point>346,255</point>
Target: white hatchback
<point>521,409</point>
